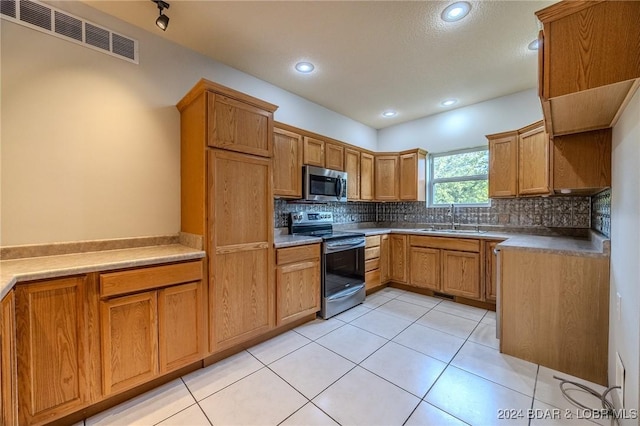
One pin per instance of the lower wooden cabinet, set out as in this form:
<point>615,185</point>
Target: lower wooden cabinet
<point>425,268</point>
<point>384,258</point>
<point>398,259</point>
<point>372,249</point>
<point>50,348</point>
<point>491,271</point>
<point>297,282</point>
<point>461,274</point>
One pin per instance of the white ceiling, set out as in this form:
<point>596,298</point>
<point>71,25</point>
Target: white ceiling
<point>370,56</point>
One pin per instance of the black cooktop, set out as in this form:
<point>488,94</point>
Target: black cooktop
<point>327,235</point>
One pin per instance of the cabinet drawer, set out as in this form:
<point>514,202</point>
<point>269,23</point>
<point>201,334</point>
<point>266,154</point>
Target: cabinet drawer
<point>373,241</point>
<point>372,264</point>
<point>116,283</point>
<point>371,253</point>
<point>460,244</point>
<point>372,278</point>
<point>297,254</point>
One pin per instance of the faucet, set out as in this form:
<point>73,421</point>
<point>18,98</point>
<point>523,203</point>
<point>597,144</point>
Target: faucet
<point>452,213</point>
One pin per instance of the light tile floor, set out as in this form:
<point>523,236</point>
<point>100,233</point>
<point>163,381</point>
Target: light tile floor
<point>398,359</point>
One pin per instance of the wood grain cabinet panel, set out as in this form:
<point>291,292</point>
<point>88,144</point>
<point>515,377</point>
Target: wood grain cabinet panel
<point>367,181</point>
<point>51,347</point>
<point>425,268</point>
<point>129,341</point>
<point>413,175</point>
<point>384,259</point>
<point>237,126</point>
<point>287,164</point>
<point>333,156</point>
<point>352,167</point>
<point>387,184</point>
<point>297,282</point>
<point>8,373</point>
<point>461,274</point>
<point>398,258</point>
<point>533,161</point>
<point>491,272</point>
<point>182,325</point>
<point>503,165</point>
<point>313,152</point>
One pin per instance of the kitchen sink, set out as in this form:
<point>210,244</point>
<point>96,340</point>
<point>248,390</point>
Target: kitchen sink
<point>453,231</point>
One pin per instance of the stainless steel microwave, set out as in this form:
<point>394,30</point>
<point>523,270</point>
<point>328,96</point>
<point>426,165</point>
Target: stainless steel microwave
<point>324,184</point>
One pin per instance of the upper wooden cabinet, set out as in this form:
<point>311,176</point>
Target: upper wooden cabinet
<point>533,160</point>
<point>581,162</point>
<point>503,164</point>
<point>519,162</point>
<point>386,171</point>
<point>287,164</point>
<point>367,174</point>
<point>313,152</point>
<point>413,175</point>
<point>352,167</point>
<point>333,156</point>
<point>589,63</point>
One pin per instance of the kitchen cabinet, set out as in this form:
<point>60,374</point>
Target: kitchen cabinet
<point>386,172</point>
<point>589,63</point>
<point>384,259</point>
<point>313,152</point>
<point>398,258</point>
<point>297,282</point>
<point>287,164</point>
<point>554,311</point>
<point>447,265</point>
<point>367,176</point>
<point>503,164</point>
<point>533,160</point>
<point>8,374</point>
<point>352,167</point>
<point>491,271</point>
<point>372,262</point>
<point>519,162</point>
<point>413,175</point>
<point>157,329</point>
<point>333,156</point>
<point>50,344</point>
<point>581,162</point>
<point>227,197</point>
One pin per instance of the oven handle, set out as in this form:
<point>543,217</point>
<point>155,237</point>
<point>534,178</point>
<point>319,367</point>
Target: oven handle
<point>334,248</point>
<point>346,293</point>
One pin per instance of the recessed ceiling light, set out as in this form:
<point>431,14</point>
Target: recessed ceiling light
<point>304,67</point>
<point>449,102</point>
<point>389,113</point>
<point>533,45</point>
<point>456,11</point>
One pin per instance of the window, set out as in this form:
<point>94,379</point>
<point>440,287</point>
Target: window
<point>459,177</point>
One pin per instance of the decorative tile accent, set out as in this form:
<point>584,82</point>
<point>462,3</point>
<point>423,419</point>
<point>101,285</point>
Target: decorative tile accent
<point>351,212</point>
<point>601,212</point>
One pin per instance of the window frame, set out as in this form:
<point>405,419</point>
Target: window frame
<point>431,181</point>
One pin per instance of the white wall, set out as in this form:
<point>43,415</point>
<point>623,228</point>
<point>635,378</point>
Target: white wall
<point>90,143</point>
<point>463,127</point>
<point>624,334</point>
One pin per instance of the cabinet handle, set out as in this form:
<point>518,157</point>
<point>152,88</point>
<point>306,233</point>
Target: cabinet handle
<point>496,251</point>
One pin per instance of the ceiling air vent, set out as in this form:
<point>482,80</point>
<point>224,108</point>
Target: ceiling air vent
<point>58,23</point>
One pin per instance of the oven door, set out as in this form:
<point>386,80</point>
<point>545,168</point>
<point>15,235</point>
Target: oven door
<point>343,266</point>
<point>324,184</point>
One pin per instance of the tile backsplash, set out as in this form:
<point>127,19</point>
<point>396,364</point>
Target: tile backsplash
<point>551,212</point>
<point>601,212</point>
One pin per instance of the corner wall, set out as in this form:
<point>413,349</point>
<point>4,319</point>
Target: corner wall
<point>624,334</point>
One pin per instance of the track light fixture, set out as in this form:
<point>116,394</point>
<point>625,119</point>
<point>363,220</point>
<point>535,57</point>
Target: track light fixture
<point>163,20</point>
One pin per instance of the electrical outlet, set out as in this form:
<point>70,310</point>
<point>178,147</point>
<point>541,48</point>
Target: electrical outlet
<point>619,306</point>
<point>620,379</point>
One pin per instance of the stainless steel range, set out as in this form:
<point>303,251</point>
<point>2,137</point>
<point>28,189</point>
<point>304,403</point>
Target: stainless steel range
<point>343,284</point>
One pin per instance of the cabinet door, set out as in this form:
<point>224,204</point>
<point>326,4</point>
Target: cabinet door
<point>298,290</point>
<point>490,271</point>
<point>287,164</point>
<point>181,325</point>
<point>240,217</point>
<point>8,379</point>
<point>425,268</point>
<point>461,274</point>
<point>237,126</point>
<point>398,262</point>
<point>503,166</point>
<point>313,152</point>
<point>384,258</point>
<point>366,176</point>
<point>413,176</point>
<point>333,156</point>
<point>533,162</point>
<point>51,348</point>
<point>386,178</point>
<point>129,341</point>
<point>352,167</point>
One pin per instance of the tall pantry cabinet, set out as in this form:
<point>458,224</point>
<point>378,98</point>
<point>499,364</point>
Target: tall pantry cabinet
<point>227,197</point>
